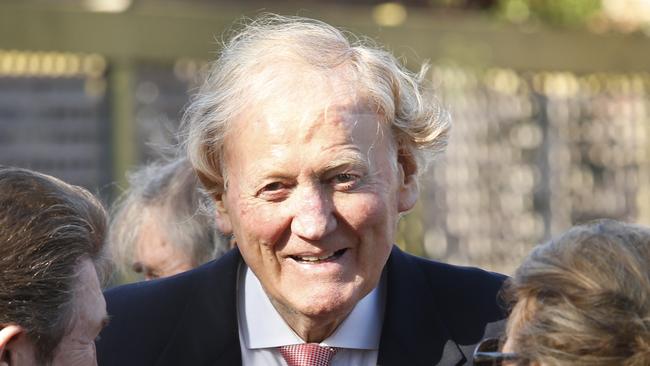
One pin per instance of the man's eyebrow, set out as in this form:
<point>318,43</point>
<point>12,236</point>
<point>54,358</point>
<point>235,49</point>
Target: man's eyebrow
<point>354,160</point>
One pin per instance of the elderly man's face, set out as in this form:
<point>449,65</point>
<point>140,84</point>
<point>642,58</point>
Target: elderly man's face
<point>313,200</point>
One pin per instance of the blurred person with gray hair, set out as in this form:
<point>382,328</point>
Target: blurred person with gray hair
<point>310,142</point>
<point>51,258</point>
<point>164,224</point>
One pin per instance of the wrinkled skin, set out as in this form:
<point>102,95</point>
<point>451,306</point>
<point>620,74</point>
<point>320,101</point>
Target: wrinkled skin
<point>323,184</point>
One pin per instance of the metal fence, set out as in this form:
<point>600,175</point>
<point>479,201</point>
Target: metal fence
<point>54,116</point>
<point>530,154</point>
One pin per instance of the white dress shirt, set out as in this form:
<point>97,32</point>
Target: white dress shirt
<point>262,329</point>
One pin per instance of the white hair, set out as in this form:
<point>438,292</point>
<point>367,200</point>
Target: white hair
<point>254,62</point>
<point>171,193</point>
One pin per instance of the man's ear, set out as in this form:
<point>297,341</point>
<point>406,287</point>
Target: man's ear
<point>222,216</point>
<point>8,335</point>
<point>216,186</point>
<point>408,180</point>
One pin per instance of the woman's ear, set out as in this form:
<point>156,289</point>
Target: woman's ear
<point>8,345</point>
<point>408,180</point>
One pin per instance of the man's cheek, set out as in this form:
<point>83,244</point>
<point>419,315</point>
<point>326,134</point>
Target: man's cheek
<point>367,210</point>
<point>264,226</point>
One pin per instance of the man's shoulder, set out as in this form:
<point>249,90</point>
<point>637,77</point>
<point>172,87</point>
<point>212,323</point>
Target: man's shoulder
<point>436,312</point>
<point>148,291</point>
<point>454,278</point>
<point>181,285</point>
<point>461,294</point>
<point>444,278</point>
<point>146,316</point>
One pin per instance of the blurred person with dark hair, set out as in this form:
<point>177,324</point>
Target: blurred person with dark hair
<point>310,141</point>
<point>164,224</point>
<point>582,299</point>
<point>51,241</point>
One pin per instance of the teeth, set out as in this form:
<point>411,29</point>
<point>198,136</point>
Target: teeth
<point>315,259</point>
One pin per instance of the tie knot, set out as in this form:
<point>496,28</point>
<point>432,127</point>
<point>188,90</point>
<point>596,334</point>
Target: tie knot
<point>307,354</point>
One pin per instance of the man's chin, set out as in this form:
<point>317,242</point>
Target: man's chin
<point>321,320</point>
<point>328,304</point>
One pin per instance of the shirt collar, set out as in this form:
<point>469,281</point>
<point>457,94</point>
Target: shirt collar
<point>261,326</point>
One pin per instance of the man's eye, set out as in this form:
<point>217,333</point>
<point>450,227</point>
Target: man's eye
<point>345,180</point>
<point>274,191</point>
<point>137,267</point>
<point>275,186</point>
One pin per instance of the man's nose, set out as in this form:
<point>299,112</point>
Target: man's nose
<point>313,216</point>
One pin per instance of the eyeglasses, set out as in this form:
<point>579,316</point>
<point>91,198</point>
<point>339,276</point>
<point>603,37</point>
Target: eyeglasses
<point>487,353</point>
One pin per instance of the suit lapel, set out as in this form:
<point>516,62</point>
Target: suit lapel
<point>413,332</point>
<point>206,331</point>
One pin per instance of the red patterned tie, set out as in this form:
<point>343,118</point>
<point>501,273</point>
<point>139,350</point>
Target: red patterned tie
<point>307,354</point>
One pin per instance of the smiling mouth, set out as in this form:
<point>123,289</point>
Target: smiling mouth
<point>313,259</point>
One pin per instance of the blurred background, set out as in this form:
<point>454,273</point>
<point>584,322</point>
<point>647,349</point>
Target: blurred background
<point>549,98</point>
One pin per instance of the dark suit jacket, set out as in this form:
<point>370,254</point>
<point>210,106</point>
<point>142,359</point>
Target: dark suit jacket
<point>435,314</point>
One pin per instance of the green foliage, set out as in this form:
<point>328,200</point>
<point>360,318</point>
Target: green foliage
<point>558,12</point>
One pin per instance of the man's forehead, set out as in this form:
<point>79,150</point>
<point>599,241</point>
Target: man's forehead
<point>89,306</point>
<point>283,121</point>
<point>344,137</point>
<point>295,91</point>
<point>88,290</point>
